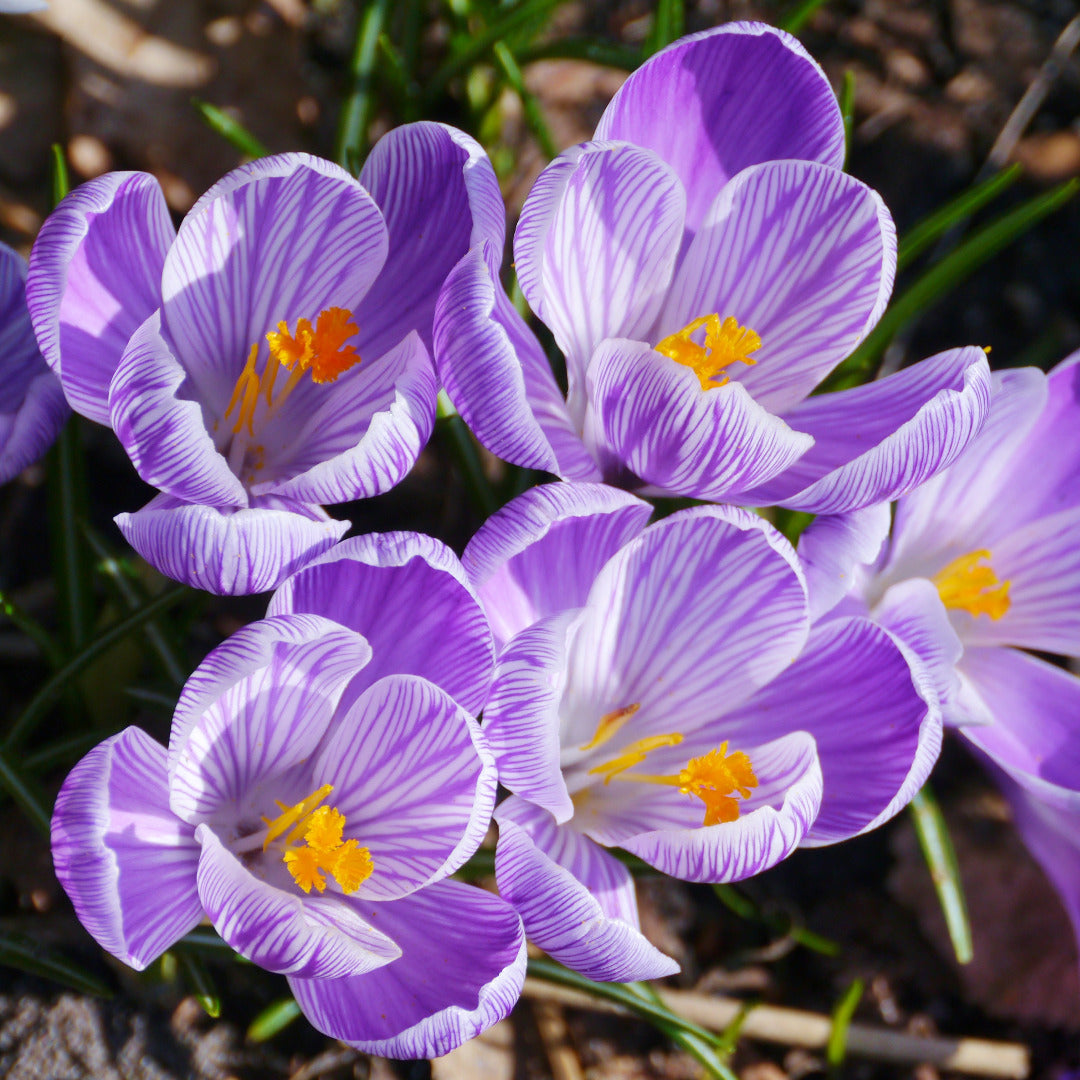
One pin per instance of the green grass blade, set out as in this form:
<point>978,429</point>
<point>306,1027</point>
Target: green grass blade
<point>356,110</point>
<point>620,57</point>
<point>967,203</point>
<point>194,973</point>
<point>940,278</point>
<point>708,1051</point>
<point>668,23</point>
<point>479,45</point>
<point>61,752</point>
<point>836,1048</point>
<point>847,110</point>
<point>26,954</point>
<point>132,597</point>
<point>61,180</point>
<point>272,1020</point>
<point>25,792</point>
<point>459,440</point>
<point>534,117</point>
<point>39,704</point>
<point>940,857</point>
<point>232,131</point>
<point>32,629</point>
<point>799,15</point>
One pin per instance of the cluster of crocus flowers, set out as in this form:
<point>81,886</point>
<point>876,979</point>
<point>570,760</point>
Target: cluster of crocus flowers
<point>178,340</point>
<point>32,406</point>
<point>979,576</point>
<point>701,278</point>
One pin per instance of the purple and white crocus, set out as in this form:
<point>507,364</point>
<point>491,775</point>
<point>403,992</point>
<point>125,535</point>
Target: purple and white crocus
<point>311,803</point>
<point>703,263</point>
<point>661,690</point>
<point>981,570</point>
<point>32,405</point>
<point>271,356</point>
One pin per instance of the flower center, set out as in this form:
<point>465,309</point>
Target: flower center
<point>966,585</point>
<point>716,778</point>
<point>725,343</point>
<point>313,844</point>
<point>320,349</point>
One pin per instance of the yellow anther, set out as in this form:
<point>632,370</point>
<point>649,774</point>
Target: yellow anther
<point>609,724</point>
<point>715,778</point>
<point>726,343</point>
<point>967,586</point>
<point>320,349</point>
<point>321,828</point>
<point>633,755</point>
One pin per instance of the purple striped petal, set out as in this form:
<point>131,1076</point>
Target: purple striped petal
<point>742,93</point>
<point>411,599</point>
<point>164,433</point>
<point>124,858</point>
<point>540,553</point>
<point>95,277</point>
<point>229,551</point>
<point>686,622</point>
<point>321,936</point>
<point>704,444</point>
<point>281,238</point>
<point>913,612</point>
<point>438,194</point>
<point>832,547</point>
<point>415,780</point>
<point>521,716</point>
<point>960,509</point>
<point>1035,734</point>
<point>257,705</point>
<point>606,254</point>
<point>577,902</point>
<point>664,828</point>
<point>804,255</point>
<point>32,404</point>
<point>873,718</point>
<point>498,376</point>
<point>461,970</point>
<point>362,438</point>
<point>876,442</point>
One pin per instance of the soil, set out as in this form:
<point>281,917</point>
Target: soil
<point>935,82</point>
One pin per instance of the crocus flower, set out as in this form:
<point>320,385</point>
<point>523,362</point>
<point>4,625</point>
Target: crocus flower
<point>703,264</point>
<point>981,569</point>
<point>660,690</point>
<point>32,406</point>
<point>272,355</point>
<point>313,813</point>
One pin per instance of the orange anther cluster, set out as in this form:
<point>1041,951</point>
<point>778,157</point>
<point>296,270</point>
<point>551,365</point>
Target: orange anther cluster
<point>968,586</point>
<point>726,343</point>
<point>715,778</point>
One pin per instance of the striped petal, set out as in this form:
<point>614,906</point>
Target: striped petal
<point>95,277</point>
<point>665,828</point>
<point>461,970</point>
<point>703,444</point>
<point>743,93</point>
<point>281,238</point>
<point>415,780</point>
<point>259,704</point>
<point>521,716</point>
<point>874,719</point>
<point>804,255</point>
<point>1035,734</point>
<point>127,862</point>
<point>877,442</point>
<point>577,902</point>
<point>321,937</point>
<point>438,195</point>
<point>606,254</point>
<point>498,377</point>
<point>229,551</point>
<point>411,599</point>
<point>540,553</point>
<point>362,438</point>
<point>832,547</point>
<point>686,622</point>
